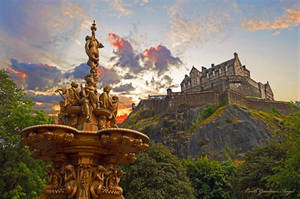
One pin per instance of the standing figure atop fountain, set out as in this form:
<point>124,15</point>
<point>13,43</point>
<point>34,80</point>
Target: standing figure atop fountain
<point>91,49</point>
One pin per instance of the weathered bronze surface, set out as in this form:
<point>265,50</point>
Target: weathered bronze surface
<point>87,145</point>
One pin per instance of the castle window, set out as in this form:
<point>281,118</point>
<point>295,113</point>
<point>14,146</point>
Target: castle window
<point>220,71</point>
<point>195,81</point>
<point>213,73</point>
<point>226,68</point>
<point>207,75</point>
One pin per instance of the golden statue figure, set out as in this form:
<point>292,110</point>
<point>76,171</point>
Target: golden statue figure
<point>105,101</point>
<point>71,95</point>
<point>91,48</point>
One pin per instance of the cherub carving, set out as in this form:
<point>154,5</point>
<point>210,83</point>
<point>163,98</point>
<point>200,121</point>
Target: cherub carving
<point>70,180</point>
<point>71,95</point>
<point>90,97</point>
<point>112,180</point>
<point>98,183</point>
<point>54,179</point>
<point>105,101</point>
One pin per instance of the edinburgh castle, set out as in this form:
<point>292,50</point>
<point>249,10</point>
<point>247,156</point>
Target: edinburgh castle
<point>225,83</point>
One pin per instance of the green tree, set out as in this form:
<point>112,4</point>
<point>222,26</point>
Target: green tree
<point>210,178</point>
<point>287,176</point>
<point>20,176</point>
<point>157,174</point>
<point>257,167</point>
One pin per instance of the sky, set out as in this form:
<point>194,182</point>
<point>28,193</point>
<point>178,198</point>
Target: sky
<point>149,45</point>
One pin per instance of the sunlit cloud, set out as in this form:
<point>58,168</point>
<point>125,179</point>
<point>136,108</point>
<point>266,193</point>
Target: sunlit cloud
<point>124,88</point>
<point>39,31</point>
<point>119,6</point>
<point>192,31</point>
<point>290,18</point>
<point>125,56</point>
<point>160,59</point>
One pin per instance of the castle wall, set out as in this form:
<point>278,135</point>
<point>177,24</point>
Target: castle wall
<point>195,99</point>
<point>258,104</point>
<point>243,87</point>
<point>156,105</point>
<point>173,100</point>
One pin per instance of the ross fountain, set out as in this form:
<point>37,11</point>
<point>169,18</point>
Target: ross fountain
<point>87,145</point>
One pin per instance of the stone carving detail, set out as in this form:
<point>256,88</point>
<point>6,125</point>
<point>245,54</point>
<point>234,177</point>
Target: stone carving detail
<point>98,182</point>
<point>62,137</point>
<point>106,181</point>
<point>55,182</point>
<point>70,180</point>
<point>114,140</point>
<point>87,182</point>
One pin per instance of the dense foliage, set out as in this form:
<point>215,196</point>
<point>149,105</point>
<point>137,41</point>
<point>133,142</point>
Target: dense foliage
<point>210,178</point>
<point>287,176</point>
<point>258,164</point>
<point>274,167</point>
<point>156,174</point>
<point>20,176</point>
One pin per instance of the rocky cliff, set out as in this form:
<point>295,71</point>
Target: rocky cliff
<point>188,132</point>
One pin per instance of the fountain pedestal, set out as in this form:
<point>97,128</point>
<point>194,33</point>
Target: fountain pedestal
<point>84,162</point>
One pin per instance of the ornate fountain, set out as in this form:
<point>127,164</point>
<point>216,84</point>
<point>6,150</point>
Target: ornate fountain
<point>87,145</point>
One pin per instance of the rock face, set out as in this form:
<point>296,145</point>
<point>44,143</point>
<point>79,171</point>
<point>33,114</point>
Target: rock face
<point>230,130</point>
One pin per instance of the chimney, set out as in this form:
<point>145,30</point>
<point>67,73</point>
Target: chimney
<point>213,65</point>
<point>235,55</point>
<point>203,68</point>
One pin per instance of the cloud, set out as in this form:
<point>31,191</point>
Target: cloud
<point>42,77</point>
<point>290,18</point>
<point>128,76</point>
<point>124,88</point>
<point>157,84</point>
<point>194,31</point>
<point>44,98</point>
<point>124,57</point>
<point>79,71</point>
<point>40,31</point>
<point>119,6</point>
<point>34,76</point>
<point>125,102</point>
<point>106,76</point>
<point>160,59</point>
<point>45,102</point>
<point>109,77</point>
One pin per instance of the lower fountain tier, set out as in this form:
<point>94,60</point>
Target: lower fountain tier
<point>57,142</point>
